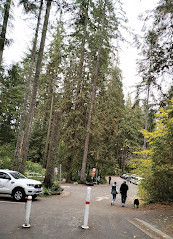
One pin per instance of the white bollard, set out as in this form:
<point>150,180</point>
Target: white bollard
<point>85,226</point>
<point>28,211</point>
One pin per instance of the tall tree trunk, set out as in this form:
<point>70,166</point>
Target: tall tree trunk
<point>84,161</point>
<point>52,150</point>
<point>20,138</point>
<point>4,28</point>
<point>81,63</point>
<point>122,159</point>
<point>48,131</point>
<point>147,111</point>
<point>34,91</point>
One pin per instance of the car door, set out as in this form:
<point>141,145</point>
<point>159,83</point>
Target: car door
<point>5,183</point>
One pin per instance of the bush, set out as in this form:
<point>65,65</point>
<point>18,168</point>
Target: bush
<point>54,190</point>
<point>158,183</point>
<point>157,187</point>
<point>34,171</point>
<point>6,156</point>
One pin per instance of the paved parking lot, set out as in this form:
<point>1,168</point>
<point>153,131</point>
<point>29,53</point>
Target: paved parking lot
<point>62,216</point>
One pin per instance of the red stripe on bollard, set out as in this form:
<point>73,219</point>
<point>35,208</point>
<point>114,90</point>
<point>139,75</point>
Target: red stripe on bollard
<point>87,202</point>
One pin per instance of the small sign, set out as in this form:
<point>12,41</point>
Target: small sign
<point>56,171</point>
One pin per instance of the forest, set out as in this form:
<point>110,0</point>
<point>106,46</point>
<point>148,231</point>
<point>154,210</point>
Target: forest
<point>63,103</point>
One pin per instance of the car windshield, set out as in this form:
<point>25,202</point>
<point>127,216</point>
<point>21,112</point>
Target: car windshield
<point>17,175</point>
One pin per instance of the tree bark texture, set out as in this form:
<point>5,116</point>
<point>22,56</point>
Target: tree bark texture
<point>34,91</point>
<point>4,28</point>
<point>84,161</point>
<point>48,131</point>
<point>52,150</point>
<point>147,111</point>
<point>23,117</point>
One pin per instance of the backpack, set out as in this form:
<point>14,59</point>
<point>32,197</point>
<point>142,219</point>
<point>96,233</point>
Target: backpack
<point>114,190</point>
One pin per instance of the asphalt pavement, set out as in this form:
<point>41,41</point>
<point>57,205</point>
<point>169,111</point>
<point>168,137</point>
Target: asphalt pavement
<point>62,216</point>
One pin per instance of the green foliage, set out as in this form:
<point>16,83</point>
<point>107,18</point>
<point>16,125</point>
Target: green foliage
<point>66,79</point>
<point>103,180</point>
<point>54,190</point>
<point>158,183</point>
<point>6,156</point>
<point>11,91</point>
<point>34,167</point>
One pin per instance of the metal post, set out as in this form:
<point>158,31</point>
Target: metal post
<point>28,211</point>
<point>85,226</point>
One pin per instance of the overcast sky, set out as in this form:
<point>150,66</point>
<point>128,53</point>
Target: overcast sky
<point>128,55</point>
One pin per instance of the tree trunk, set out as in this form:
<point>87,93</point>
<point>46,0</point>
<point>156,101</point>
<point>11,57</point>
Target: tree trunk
<point>147,111</point>
<point>19,143</point>
<point>52,150</point>
<point>4,28</point>
<point>35,89</point>
<point>123,159</point>
<point>48,131</point>
<point>69,169</point>
<point>84,161</point>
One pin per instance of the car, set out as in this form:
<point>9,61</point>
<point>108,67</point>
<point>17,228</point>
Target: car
<point>18,186</point>
<point>122,176</point>
<point>127,175</point>
<point>34,175</point>
<point>132,178</point>
<point>139,179</point>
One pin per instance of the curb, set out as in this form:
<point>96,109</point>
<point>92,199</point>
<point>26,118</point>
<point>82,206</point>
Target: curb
<point>149,229</point>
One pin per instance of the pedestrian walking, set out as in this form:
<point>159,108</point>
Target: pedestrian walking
<point>123,190</point>
<point>114,192</point>
<point>109,180</point>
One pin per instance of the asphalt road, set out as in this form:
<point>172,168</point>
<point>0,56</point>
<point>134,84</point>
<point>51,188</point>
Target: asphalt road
<point>62,216</point>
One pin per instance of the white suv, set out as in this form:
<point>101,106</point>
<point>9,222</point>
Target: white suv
<point>17,185</point>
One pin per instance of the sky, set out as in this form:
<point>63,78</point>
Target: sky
<point>21,34</point>
<point>129,53</point>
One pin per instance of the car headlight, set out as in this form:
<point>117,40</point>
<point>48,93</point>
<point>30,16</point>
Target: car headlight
<point>30,185</point>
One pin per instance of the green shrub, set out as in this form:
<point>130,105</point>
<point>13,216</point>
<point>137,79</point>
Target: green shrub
<point>6,156</point>
<point>54,190</point>
<point>34,171</point>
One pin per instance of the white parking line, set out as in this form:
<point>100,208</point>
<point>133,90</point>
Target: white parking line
<point>12,202</point>
<point>101,198</point>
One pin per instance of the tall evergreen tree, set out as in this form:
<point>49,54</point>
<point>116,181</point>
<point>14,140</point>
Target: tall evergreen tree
<point>4,27</point>
<point>35,89</point>
<point>11,91</point>
<point>28,7</point>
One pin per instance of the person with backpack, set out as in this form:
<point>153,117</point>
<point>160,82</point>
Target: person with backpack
<point>114,192</point>
<point>123,190</point>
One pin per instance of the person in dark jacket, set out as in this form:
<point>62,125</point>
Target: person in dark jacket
<point>123,190</point>
<point>109,180</point>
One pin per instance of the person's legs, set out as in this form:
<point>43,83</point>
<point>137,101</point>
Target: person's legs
<point>123,199</point>
<point>113,199</point>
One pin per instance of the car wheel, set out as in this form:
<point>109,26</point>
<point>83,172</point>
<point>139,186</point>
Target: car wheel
<point>19,194</point>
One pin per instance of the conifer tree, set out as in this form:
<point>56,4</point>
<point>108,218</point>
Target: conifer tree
<point>35,89</point>
<point>22,126</point>
<point>4,27</point>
